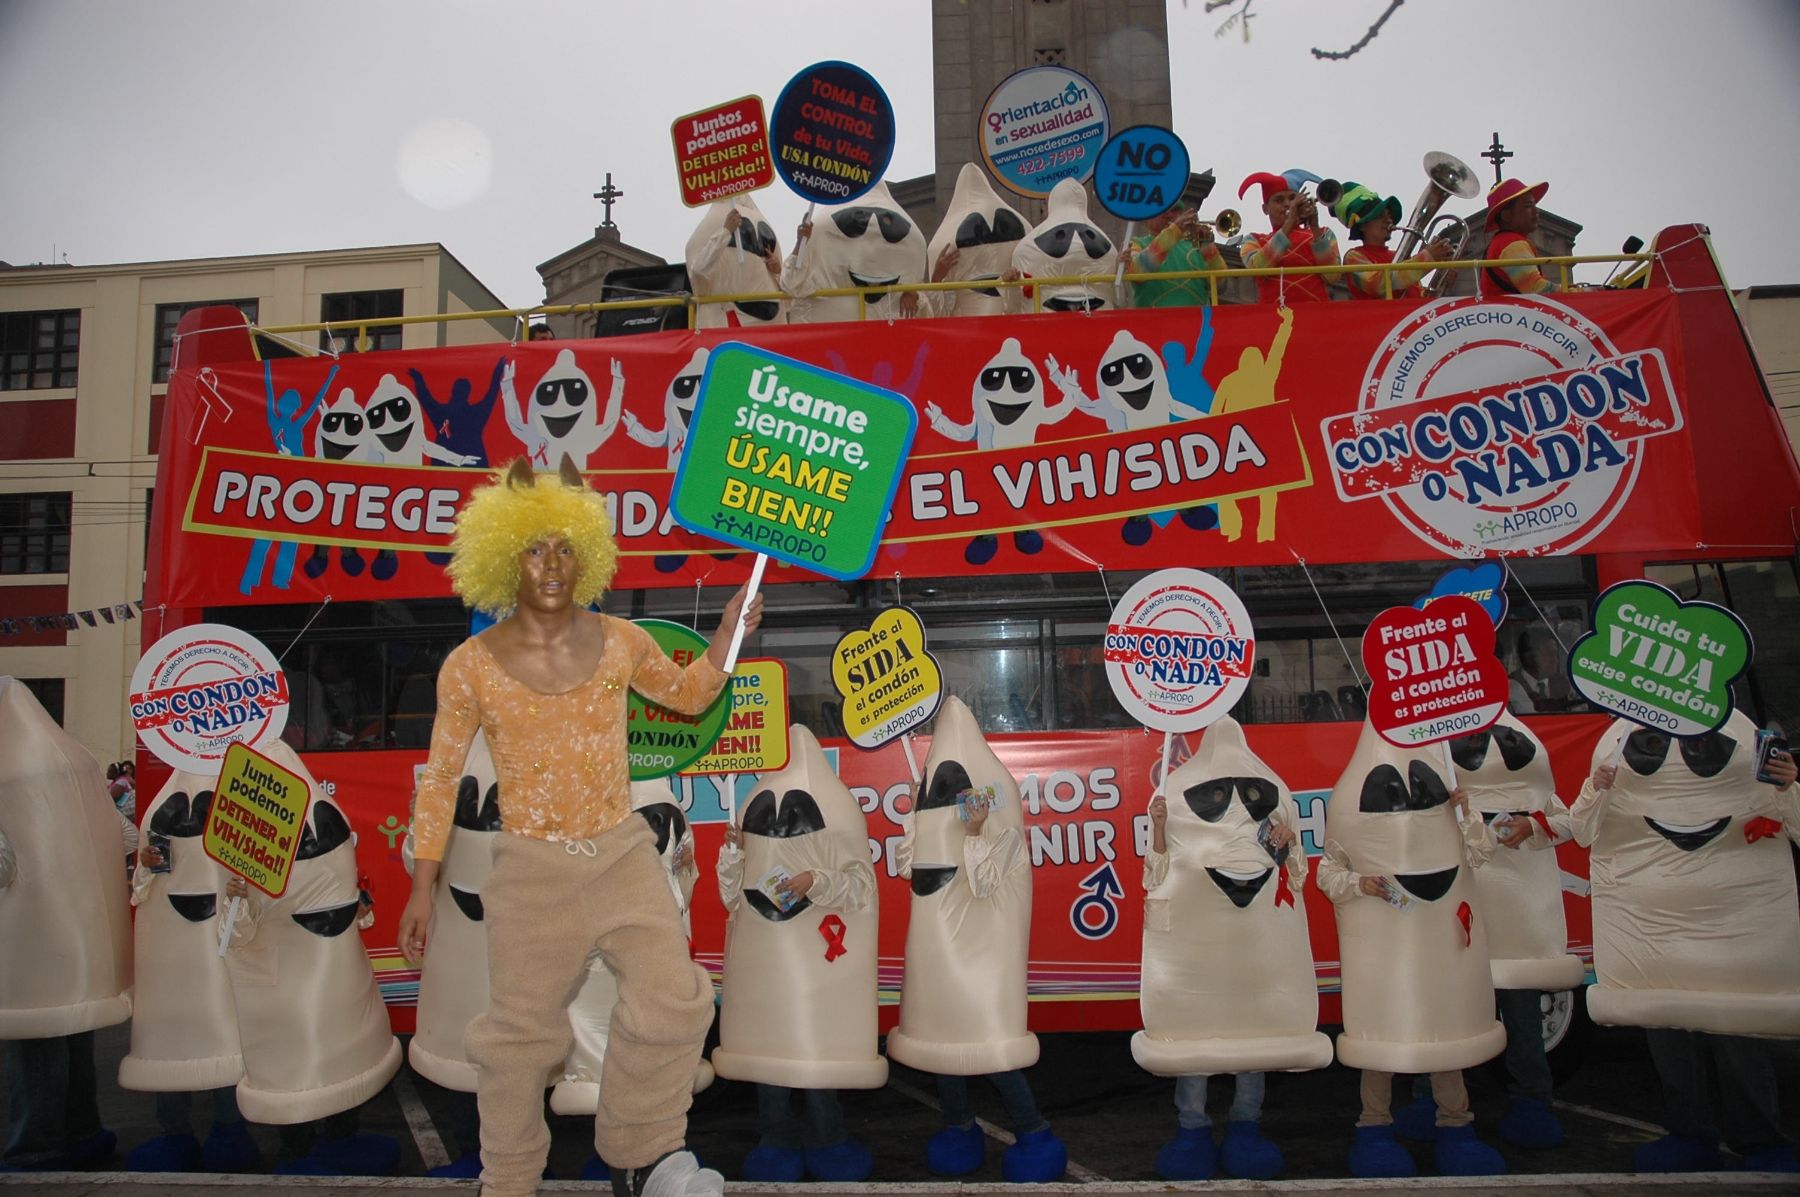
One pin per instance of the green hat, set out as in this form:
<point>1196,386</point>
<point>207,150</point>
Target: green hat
<point>1358,203</point>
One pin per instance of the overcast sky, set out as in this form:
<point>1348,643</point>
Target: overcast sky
<point>193,128</point>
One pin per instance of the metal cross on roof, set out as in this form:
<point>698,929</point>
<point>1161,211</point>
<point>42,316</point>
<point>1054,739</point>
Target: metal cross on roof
<point>606,195</point>
<point>1496,153</point>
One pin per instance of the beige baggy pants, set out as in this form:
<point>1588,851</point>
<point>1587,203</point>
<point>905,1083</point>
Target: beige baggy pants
<point>1447,1090</point>
<point>549,907</point>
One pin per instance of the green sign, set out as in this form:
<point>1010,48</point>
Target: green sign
<point>792,461</point>
<point>1659,661</point>
<point>659,741</point>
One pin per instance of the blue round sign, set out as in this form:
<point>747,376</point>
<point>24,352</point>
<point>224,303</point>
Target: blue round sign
<point>1141,172</point>
<point>831,132</point>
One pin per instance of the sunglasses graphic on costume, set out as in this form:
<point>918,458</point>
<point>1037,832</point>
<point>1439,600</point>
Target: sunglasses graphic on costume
<point>325,831</point>
<point>758,239</point>
<point>1516,749</point>
<point>1385,792</point>
<point>398,409</point>
<point>685,385</point>
<point>474,813</point>
<point>854,222</point>
<point>344,424</point>
<point>184,818</point>
<point>1058,242</point>
<point>667,821</point>
<point>1021,379</point>
<point>1113,372</point>
<point>975,230</point>
<point>1210,799</point>
<point>795,813</point>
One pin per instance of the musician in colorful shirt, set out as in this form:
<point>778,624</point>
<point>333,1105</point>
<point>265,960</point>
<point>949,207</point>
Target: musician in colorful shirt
<point>1371,221</point>
<point>1295,238</point>
<point>1512,217</point>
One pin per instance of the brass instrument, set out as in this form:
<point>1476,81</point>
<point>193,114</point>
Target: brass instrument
<point>1446,175</point>
<point>1455,230</point>
<point>1227,222</point>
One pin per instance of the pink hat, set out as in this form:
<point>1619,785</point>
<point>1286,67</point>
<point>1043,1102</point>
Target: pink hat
<point>1271,184</point>
<point>1508,190</point>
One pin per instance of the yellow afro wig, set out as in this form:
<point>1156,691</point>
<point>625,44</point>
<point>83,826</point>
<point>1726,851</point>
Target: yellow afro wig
<point>502,520</point>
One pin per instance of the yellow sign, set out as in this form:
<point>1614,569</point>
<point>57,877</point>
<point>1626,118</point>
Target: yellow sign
<point>888,680</point>
<point>258,811</point>
<point>755,739</point>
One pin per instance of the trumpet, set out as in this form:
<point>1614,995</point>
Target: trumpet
<point>1227,222</point>
<point>1445,175</point>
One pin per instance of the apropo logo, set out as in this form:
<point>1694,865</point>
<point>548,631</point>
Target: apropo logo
<point>1510,427</point>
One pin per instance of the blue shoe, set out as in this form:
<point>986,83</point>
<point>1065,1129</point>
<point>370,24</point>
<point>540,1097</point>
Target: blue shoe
<point>1028,542</point>
<point>229,1148</point>
<point>1136,531</point>
<point>668,563</point>
<point>387,564</point>
<point>1036,1159</point>
<point>1770,1159</point>
<point>775,1165</point>
<point>594,1169</point>
<point>981,550</point>
<point>361,1154</point>
<point>1200,519</point>
<point>1528,1122</point>
<point>463,1167</point>
<point>1375,1152</point>
<point>1677,1153</point>
<point>1458,1152</point>
<point>1247,1155</point>
<point>1190,1155</point>
<point>845,1163</point>
<point>94,1149</point>
<point>351,562</point>
<point>1416,1121</point>
<point>165,1153</point>
<point>956,1151</point>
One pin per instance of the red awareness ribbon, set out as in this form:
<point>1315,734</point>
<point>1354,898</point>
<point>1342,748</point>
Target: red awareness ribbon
<point>1761,828</point>
<point>1465,915</point>
<point>1283,895</point>
<point>832,928</point>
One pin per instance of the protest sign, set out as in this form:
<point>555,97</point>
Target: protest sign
<point>254,824</point>
<point>659,741</point>
<point>785,459</point>
<point>755,738</point>
<point>1140,172</point>
<point>888,681</point>
<point>1179,650</point>
<point>1042,125</point>
<point>1484,583</point>
<point>203,687</point>
<point>1433,672</point>
<point>832,129</point>
<point>722,151</point>
<point>1659,661</point>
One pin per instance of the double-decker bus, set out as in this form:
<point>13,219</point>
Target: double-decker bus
<point>1327,461</point>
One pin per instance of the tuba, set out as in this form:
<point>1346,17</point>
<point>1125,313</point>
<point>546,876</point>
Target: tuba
<point>1446,176</point>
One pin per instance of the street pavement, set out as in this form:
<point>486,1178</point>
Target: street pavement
<point>1112,1116</point>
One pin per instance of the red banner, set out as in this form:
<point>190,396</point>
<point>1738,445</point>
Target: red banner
<point>1046,443</point>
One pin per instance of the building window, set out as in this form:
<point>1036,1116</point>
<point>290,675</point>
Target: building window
<point>34,533</point>
<point>361,305</point>
<point>168,317</point>
<point>49,693</point>
<point>38,350</point>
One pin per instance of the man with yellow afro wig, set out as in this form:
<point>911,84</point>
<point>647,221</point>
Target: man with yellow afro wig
<point>574,873</point>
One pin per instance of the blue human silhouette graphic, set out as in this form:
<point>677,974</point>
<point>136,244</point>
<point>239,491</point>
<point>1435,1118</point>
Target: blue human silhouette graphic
<point>287,425</point>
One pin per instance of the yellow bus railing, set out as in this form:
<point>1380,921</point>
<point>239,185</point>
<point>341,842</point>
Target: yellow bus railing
<point>692,303</point>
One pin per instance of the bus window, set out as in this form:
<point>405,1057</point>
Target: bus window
<point>1765,596</point>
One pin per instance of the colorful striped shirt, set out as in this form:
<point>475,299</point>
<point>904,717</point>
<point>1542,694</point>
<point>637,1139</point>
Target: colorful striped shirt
<point>1170,251</point>
<point>1368,284</point>
<point>1524,280</point>
<point>1266,250</point>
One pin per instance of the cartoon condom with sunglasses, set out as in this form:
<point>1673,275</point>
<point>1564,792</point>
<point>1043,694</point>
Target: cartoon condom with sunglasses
<point>1506,772</point>
<point>1693,884</point>
<point>799,999</point>
<point>1228,971</point>
<point>724,261</point>
<point>1418,993</point>
<point>679,400</point>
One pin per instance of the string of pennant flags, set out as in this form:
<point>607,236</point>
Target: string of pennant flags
<point>70,620</point>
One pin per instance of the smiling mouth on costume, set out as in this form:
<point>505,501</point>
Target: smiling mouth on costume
<point>1140,398</point>
<point>393,442</point>
<point>866,280</point>
<point>1007,414</point>
<point>558,426</point>
<point>1689,837</point>
<point>1240,887</point>
<point>1428,887</point>
<point>1086,301</point>
<point>336,450</point>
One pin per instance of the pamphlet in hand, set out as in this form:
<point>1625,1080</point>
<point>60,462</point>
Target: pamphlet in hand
<point>978,798</point>
<point>771,886</point>
<point>1396,897</point>
<point>1770,745</point>
<point>1265,835</point>
<point>160,842</point>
